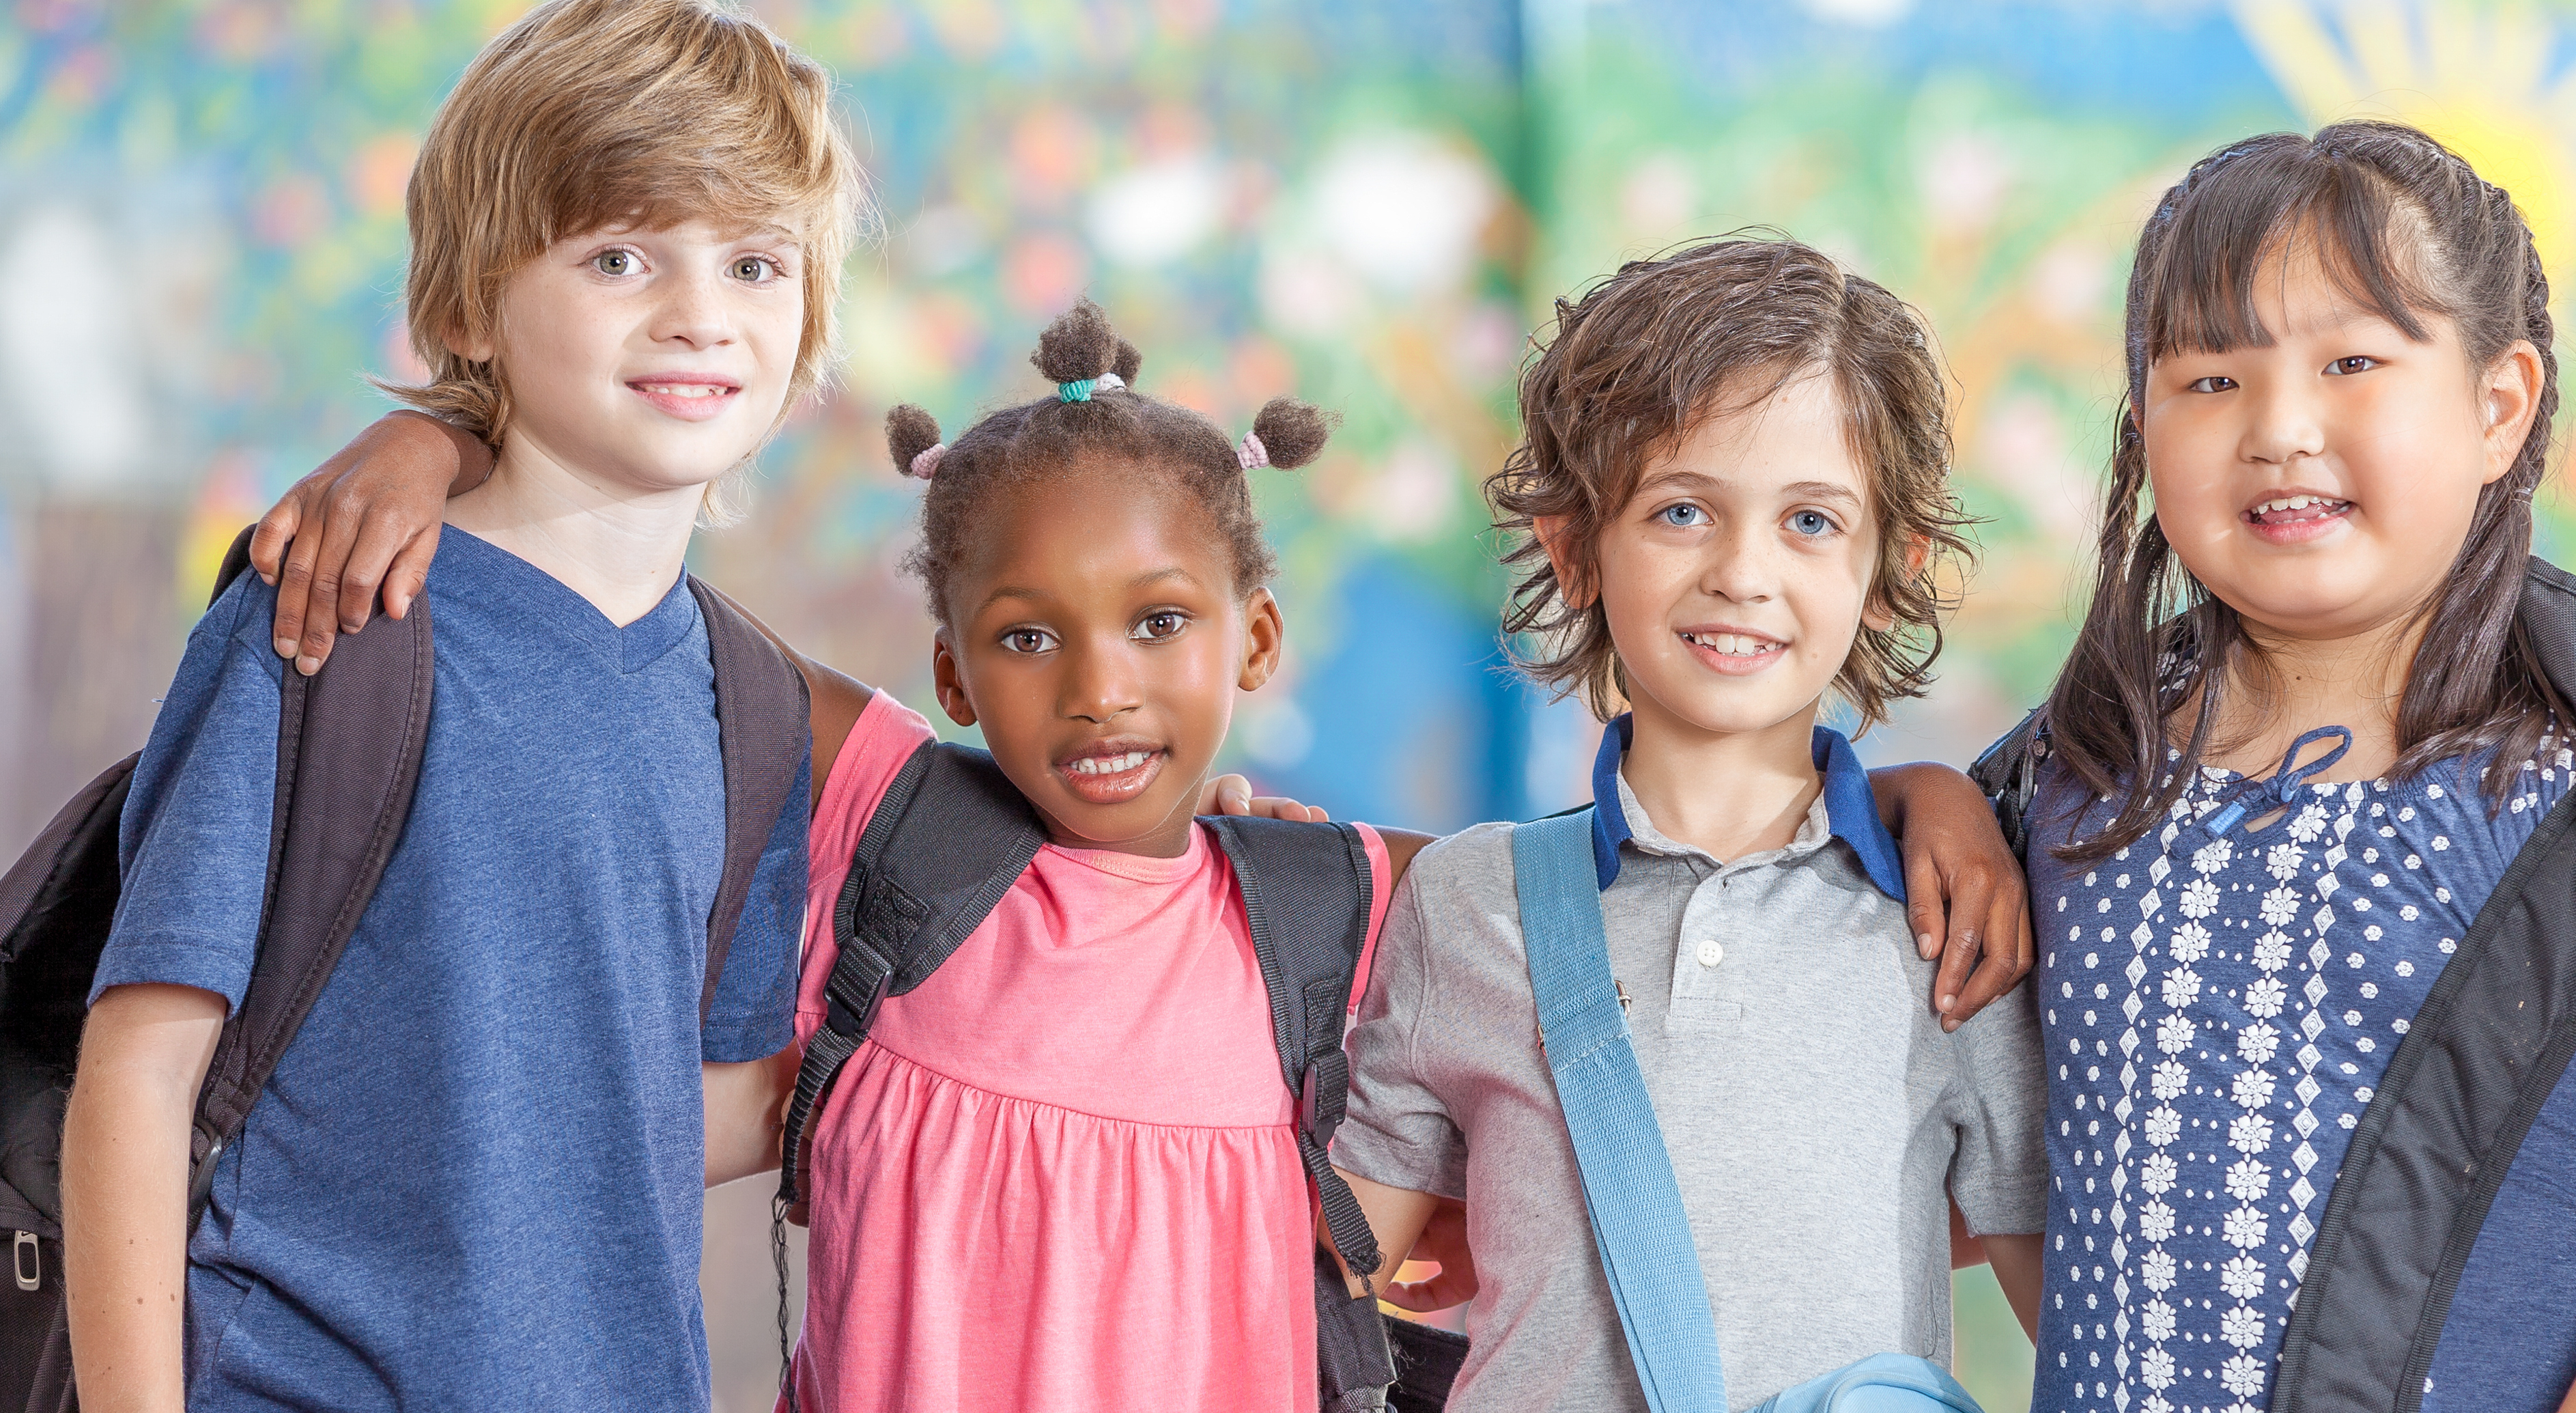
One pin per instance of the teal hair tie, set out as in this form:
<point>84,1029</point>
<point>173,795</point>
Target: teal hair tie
<point>1081,389</point>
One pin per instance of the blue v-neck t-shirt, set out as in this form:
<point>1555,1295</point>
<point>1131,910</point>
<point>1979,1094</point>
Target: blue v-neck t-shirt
<point>475,1180</point>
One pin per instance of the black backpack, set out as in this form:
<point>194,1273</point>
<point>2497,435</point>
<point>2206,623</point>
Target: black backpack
<point>2436,1140</point>
<point>950,838</point>
<point>349,745</point>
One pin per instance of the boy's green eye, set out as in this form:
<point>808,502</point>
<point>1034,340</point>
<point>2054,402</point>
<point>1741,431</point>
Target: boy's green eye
<point>751,268</point>
<point>614,262</point>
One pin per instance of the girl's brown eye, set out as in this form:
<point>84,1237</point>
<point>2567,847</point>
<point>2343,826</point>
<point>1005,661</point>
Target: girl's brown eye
<point>1025,640</point>
<point>1157,626</point>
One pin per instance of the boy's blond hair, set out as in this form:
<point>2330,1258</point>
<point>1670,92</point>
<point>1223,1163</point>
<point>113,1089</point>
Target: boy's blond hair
<point>593,113</point>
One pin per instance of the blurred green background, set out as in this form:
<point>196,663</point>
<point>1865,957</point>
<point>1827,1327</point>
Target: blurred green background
<point>201,241</point>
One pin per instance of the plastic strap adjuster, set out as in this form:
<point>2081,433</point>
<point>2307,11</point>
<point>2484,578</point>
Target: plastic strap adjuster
<point>856,989</point>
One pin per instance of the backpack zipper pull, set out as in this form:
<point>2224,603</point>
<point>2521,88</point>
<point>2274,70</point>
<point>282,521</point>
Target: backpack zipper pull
<point>28,1259</point>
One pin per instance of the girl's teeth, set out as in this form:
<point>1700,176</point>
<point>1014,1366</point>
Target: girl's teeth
<point>1108,765</point>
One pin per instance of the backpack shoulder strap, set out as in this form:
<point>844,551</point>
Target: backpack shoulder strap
<point>349,745</point>
<point>1629,1190</point>
<point>1306,892</point>
<point>948,840</point>
<point>2008,773</point>
<point>762,732</point>
<point>2437,1140</point>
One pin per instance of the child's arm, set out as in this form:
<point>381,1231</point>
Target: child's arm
<point>2016,1261</point>
<point>746,1110</point>
<point>1956,861</point>
<point>368,517</point>
<point>1396,1217</point>
<point>144,1052</point>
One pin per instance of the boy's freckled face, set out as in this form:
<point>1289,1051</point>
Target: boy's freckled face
<point>1099,642</point>
<point>651,358</point>
<point>2321,486</point>
<point>1739,573</point>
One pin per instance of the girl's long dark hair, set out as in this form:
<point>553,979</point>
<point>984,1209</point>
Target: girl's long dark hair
<point>2406,229</point>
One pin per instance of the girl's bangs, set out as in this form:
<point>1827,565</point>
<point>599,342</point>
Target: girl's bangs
<point>2265,207</point>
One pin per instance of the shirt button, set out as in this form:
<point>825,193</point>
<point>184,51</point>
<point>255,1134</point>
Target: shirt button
<point>1711,953</point>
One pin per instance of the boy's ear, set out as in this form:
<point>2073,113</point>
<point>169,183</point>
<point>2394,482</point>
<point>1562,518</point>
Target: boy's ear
<point>1880,615</point>
<point>472,350</point>
<point>948,681</point>
<point>1266,634</point>
<point>1555,536</point>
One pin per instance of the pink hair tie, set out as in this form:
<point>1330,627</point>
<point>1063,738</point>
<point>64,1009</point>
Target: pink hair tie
<point>1252,453</point>
<point>926,465</point>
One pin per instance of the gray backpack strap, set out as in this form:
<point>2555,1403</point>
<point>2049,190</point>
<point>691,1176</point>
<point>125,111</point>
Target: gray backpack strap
<point>2008,773</point>
<point>762,732</point>
<point>2437,1140</point>
<point>1306,892</point>
<point>948,840</point>
<point>349,745</point>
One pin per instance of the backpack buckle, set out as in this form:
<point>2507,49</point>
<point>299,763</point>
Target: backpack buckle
<point>858,986</point>
<point>28,1261</point>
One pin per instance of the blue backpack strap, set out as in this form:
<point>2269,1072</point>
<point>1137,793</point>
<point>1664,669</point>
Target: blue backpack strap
<point>1629,1191</point>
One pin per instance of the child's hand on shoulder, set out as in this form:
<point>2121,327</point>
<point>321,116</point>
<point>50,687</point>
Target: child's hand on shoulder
<point>1232,794</point>
<point>366,518</point>
<point>1965,898</point>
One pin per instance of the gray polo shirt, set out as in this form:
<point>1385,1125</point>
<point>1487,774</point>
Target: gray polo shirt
<point>1815,1109</point>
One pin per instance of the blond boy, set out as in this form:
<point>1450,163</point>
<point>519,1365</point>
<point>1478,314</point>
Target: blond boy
<point>473,1181</point>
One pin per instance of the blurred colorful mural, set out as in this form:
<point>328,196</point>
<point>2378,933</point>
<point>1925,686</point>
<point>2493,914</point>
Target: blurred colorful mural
<point>1371,206</point>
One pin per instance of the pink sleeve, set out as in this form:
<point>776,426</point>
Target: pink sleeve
<point>881,740</point>
<point>1381,891</point>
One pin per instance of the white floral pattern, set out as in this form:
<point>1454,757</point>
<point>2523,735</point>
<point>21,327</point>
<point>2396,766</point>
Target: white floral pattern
<point>2216,1012</point>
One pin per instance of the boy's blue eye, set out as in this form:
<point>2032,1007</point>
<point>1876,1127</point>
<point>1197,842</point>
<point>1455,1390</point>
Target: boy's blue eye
<point>1811,522</point>
<point>1682,516</point>
<point>752,269</point>
<point>614,262</point>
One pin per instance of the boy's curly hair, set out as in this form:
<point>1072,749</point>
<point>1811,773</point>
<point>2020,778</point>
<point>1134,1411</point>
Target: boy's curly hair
<point>1084,423</point>
<point>1653,350</point>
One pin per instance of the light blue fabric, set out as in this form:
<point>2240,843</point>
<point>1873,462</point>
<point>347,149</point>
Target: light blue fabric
<point>476,1178</point>
<point>1629,1191</point>
<point>1850,808</point>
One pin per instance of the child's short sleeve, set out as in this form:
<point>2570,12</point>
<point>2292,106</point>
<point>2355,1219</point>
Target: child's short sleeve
<point>752,1015</point>
<point>1398,1130</point>
<point>193,841</point>
<point>1999,1107</point>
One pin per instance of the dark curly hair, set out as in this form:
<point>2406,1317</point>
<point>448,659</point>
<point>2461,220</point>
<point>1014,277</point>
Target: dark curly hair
<point>2407,229</point>
<point>1083,422</point>
<point>1642,356</point>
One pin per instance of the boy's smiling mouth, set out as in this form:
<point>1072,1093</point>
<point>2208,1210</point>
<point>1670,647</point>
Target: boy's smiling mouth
<point>1730,649</point>
<point>1112,771</point>
<point>693,397</point>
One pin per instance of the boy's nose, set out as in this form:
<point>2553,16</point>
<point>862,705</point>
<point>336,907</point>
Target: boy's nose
<point>693,312</point>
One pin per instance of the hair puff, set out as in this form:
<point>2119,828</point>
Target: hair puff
<point>909,432</point>
<point>1078,345</point>
<point>1292,432</point>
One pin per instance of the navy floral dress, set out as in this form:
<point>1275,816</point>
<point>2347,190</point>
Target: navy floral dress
<point>2217,1001</point>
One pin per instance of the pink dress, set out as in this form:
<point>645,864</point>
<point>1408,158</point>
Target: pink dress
<point>1061,1174</point>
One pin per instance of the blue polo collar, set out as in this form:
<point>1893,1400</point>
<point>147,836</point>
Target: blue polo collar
<point>1851,812</point>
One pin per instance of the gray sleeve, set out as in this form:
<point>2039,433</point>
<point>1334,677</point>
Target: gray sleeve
<point>1999,1108</point>
<point>1398,1131</point>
